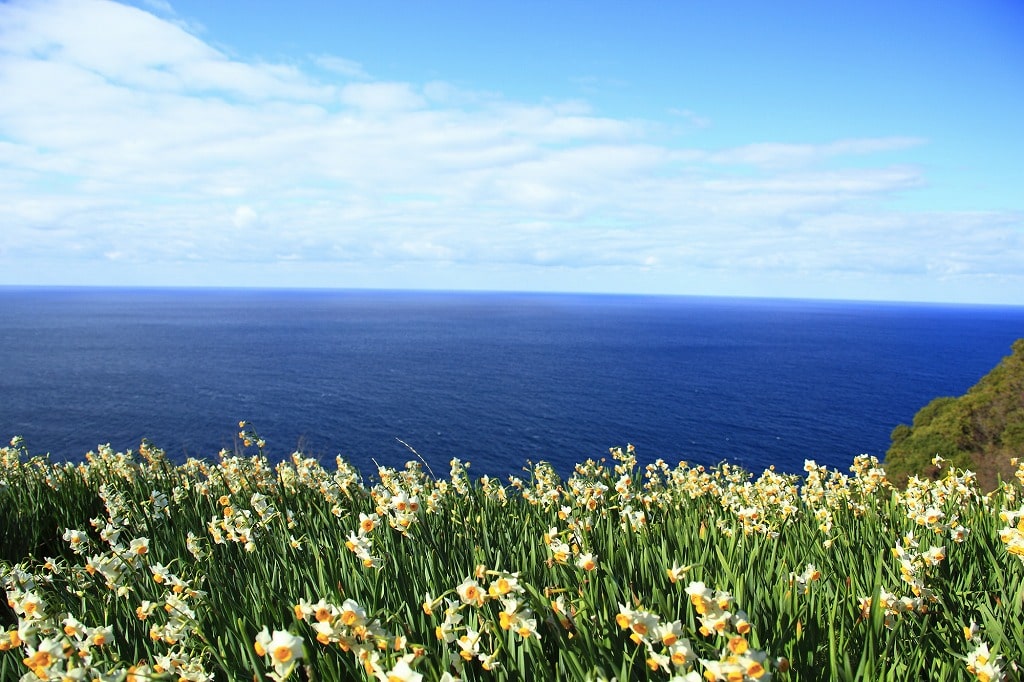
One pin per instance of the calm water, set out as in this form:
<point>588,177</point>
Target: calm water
<point>497,379</point>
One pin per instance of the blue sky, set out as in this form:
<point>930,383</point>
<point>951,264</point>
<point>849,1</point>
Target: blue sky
<point>868,150</point>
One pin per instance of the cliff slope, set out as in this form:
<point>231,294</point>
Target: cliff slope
<point>981,430</point>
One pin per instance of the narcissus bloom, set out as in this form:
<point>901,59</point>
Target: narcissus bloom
<point>39,659</point>
<point>429,604</point>
<point>367,522</point>
<point>402,672</point>
<point>587,561</point>
<point>981,664</point>
<point>283,648</point>
<point>560,551</point>
<point>676,572</point>
<point>352,614</point>
<point>504,584</point>
<point>470,592</point>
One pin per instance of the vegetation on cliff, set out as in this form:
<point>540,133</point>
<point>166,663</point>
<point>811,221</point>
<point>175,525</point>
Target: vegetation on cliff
<point>981,430</point>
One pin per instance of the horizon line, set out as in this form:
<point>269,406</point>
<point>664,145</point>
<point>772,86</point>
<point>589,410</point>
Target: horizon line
<point>511,292</point>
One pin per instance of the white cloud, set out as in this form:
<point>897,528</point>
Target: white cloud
<point>382,97</point>
<point>245,216</point>
<point>122,133</point>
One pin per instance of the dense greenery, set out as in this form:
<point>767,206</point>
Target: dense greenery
<point>126,567</point>
<point>981,430</point>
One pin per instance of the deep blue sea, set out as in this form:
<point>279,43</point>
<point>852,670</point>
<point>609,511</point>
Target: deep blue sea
<point>494,378</point>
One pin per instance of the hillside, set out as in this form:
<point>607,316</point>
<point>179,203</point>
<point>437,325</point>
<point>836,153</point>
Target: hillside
<point>981,430</point>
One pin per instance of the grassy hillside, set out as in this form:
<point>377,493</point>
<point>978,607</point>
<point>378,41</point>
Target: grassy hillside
<point>981,430</point>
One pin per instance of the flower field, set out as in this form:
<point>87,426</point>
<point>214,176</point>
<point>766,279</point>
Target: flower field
<point>128,567</point>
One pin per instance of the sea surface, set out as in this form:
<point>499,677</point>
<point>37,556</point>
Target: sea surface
<point>497,379</point>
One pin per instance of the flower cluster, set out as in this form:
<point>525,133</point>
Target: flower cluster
<point>349,627</point>
<point>468,623</point>
<point>666,647</point>
<point>242,526</point>
<point>804,579</point>
<point>915,568</point>
<point>719,617</point>
<point>979,661</point>
<point>567,545</point>
<point>762,506</point>
<point>927,502</point>
<point>55,646</point>
<point>1012,535</point>
<point>397,497</point>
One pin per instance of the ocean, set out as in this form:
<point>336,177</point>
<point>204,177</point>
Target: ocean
<point>496,379</point>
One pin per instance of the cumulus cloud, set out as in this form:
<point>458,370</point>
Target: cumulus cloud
<point>125,134</point>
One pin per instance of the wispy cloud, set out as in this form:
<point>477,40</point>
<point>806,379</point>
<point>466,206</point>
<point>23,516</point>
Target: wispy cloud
<point>125,135</point>
<point>343,67</point>
<point>777,155</point>
<point>693,118</point>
